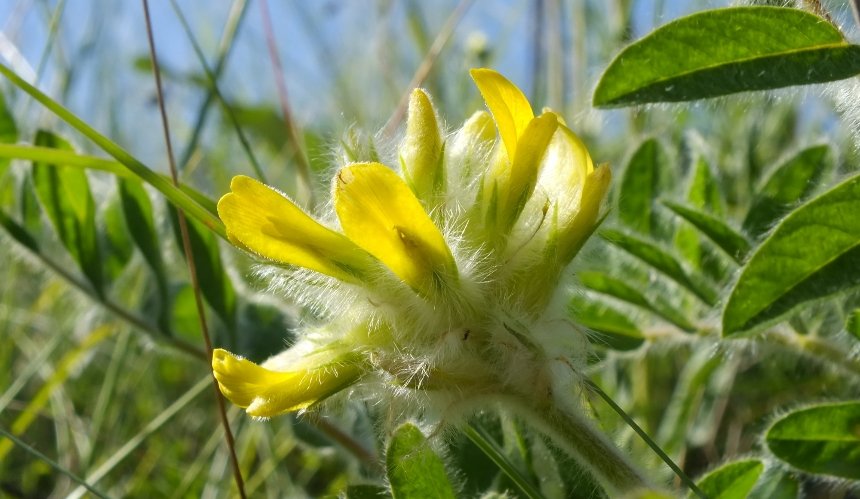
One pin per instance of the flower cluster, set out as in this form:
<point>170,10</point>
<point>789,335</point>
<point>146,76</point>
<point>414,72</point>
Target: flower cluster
<point>443,280</point>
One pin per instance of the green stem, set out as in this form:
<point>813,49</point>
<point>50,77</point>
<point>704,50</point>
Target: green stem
<point>576,435</point>
<point>53,464</point>
<point>484,442</point>
<point>817,347</point>
<point>648,440</point>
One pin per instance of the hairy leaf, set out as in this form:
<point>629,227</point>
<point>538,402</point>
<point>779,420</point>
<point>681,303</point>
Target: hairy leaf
<point>733,480</point>
<point>789,183</point>
<point>67,200</point>
<point>723,51</point>
<point>609,327</point>
<point>822,439</point>
<point>661,260</point>
<point>617,288</point>
<point>813,253</point>
<point>640,187</point>
<point>414,470</point>
<point>727,238</point>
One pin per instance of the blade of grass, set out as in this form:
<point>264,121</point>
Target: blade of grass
<point>53,464</point>
<point>278,448</point>
<point>27,242</point>
<point>189,253</point>
<point>484,442</point>
<point>135,441</point>
<point>231,29</point>
<point>647,439</point>
<point>61,372</point>
<point>214,90</point>
<point>53,156</point>
<point>281,83</point>
<point>106,392</point>
<point>426,65</point>
<point>21,378</point>
<point>170,191</point>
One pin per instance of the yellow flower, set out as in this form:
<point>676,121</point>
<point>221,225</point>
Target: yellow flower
<point>437,279</point>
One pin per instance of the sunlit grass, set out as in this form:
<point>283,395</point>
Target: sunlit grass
<point>104,391</point>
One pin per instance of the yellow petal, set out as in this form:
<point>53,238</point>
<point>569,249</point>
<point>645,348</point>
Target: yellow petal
<point>566,165</point>
<point>266,393</point>
<point>421,150</point>
<point>514,183</point>
<point>380,214</point>
<point>509,107</point>
<point>265,222</point>
<point>574,234</point>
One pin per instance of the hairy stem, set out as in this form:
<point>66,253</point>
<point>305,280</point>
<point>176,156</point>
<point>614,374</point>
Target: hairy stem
<point>578,436</point>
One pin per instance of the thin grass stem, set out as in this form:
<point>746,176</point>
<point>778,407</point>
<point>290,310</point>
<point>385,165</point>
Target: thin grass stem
<point>290,121</point>
<point>189,254</point>
<point>134,442</point>
<point>53,464</point>
<point>426,65</point>
<point>114,308</point>
<point>231,29</point>
<point>213,82</point>
<point>484,442</point>
<point>647,439</point>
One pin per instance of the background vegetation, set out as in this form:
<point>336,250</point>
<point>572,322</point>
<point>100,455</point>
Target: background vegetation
<point>104,375</point>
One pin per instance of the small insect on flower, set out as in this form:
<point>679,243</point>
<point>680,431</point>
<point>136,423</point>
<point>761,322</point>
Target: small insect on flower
<point>440,281</point>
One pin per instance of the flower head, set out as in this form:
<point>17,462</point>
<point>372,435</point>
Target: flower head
<point>438,279</point>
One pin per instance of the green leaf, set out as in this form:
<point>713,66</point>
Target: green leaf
<point>215,284</point>
<point>116,242</point>
<point>822,439</point>
<point>789,183</point>
<point>853,323</point>
<point>727,238</point>
<point>137,210</point>
<point>67,200</point>
<point>183,315</point>
<point>733,480</point>
<point>139,219</point>
<point>414,470</point>
<point>640,186</point>
<point>703,191</point>
<point>18,232</point>
<point>776,484</point>
<point>661,260</point>
<point>813,253</point>
<point>367,491</point>
<point>271,327</point>
<point>609,327</point>
<point>723,51</point>
<point>704,194</point>
<point>608,285</point>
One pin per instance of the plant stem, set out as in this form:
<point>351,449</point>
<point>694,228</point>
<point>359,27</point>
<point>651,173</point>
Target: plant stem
<point>815,346</point>
<point>648,440</point>
<point>576,435</point>
<point>189,254</point>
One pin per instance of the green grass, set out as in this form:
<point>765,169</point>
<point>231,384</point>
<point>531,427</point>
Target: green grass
<point>110,390</point>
